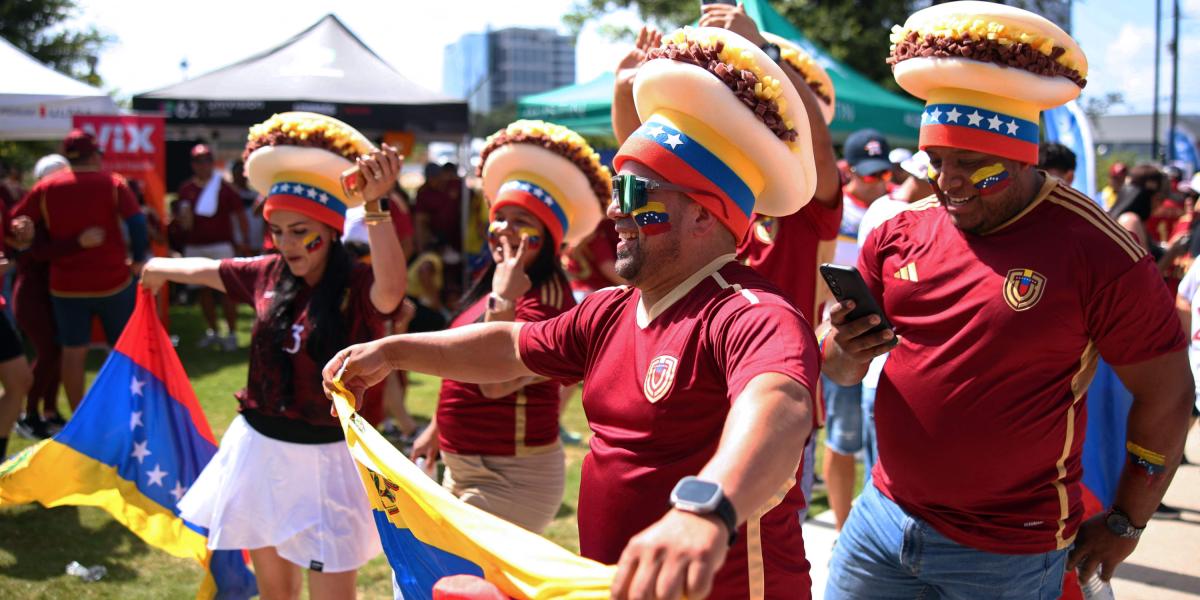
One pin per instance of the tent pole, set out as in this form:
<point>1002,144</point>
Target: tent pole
<point>464,159</point>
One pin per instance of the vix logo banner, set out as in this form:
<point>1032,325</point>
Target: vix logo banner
<point>133,146</point>
<point>660,377</point>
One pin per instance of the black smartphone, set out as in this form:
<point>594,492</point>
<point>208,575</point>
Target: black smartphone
<point>729,2</point>
<point>847,284</point>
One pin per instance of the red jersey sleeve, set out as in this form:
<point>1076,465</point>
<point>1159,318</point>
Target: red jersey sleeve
<point>766,337</point>
<point>127,204</point>
<point>242,276</point>
<point>558,348</point>
<point>1133,318</point>
<point>870,262</point>
<point>825,220</point>
<point>547,301</point>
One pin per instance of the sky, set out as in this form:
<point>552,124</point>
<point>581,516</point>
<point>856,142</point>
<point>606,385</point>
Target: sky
<point>152,37</point>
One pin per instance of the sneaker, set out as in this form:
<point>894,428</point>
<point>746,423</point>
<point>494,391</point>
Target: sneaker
<point>568,437</point>
<point>210,339</point>
<point>32,428</point>
<point>54,423</point>
<point>1167,512</point>
<point>229,343</point>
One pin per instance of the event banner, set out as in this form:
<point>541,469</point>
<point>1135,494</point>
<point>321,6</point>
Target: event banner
<point>133,146</point>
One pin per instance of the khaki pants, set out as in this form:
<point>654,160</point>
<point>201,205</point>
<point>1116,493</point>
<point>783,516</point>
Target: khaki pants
<point>524,490</point>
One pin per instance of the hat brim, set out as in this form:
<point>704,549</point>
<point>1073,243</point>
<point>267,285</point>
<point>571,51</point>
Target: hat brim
<point>789,171</point>
<point>263,164</point>
<point>578,200</point>
<point>871,166</point>
<point>920,76</point>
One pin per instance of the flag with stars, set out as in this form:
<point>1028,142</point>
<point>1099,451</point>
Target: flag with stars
<point>137,442</point>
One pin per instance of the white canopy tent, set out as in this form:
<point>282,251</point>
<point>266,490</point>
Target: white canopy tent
<point>37,102</point>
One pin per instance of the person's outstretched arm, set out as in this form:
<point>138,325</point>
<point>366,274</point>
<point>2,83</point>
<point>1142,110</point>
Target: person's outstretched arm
<point>188,271</point>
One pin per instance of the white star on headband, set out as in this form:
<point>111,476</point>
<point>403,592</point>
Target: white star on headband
<point>673,140</point>
<point>935,115</point>
<point>953,115</point>
<point>994,123</point>
<point>539,192</point>
<point>311,193</point>
<point>655,131</point>
<point>974,119</point>
<point>1012,127</point>
<point>324,198</point>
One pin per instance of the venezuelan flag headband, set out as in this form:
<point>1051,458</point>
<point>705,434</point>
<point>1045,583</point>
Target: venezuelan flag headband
<point>986,72</point>
<point>721,118</point>
<point>295,160</point>
<point>550,171</point>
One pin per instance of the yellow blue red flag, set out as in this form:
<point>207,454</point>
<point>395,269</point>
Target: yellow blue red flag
<point>137,442</point>
<point>429,534</point>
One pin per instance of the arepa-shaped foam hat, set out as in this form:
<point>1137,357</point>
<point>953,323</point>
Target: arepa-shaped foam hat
<point>550,171</point>
<point>986,72</point>
<point>719,116</point>
<point>814,74</point>
<point>295,160</point>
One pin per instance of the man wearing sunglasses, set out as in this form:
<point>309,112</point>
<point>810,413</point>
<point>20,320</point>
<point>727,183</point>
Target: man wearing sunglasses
<point>866,151</point>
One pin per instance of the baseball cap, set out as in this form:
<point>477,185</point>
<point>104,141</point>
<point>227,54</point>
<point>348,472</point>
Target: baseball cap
<point>49,164</point>
<point>867,152</point>
<point>79,145</point>
<point>200,150</point>
<point>917,165</point>
<point>899,155</point>
<point>1118,169</point>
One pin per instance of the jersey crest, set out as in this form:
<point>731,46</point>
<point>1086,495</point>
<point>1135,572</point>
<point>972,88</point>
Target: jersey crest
<point>660,377</point>
<point>765,229</point>
<point>1023,288</point>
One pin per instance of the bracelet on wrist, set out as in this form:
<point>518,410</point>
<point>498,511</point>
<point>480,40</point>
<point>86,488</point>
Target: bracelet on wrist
<point>821,348</point>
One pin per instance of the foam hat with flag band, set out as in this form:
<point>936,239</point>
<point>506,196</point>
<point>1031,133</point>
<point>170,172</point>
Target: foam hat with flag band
<point>986,71</point>
<point>734,129</point>
<point>550,171</point>
<point>814,74</point>
<point>295,160</point>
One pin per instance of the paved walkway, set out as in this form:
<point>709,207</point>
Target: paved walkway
<point>1165,566</point>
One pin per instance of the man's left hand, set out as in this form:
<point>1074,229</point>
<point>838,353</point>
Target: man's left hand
<point>733,18</point>
<point>677,556</point>
<point>1097,547</point>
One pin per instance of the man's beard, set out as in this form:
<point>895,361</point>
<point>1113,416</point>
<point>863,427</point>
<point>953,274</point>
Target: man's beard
<point>630,263</point>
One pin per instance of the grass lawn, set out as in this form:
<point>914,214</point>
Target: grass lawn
<point>37,543</point>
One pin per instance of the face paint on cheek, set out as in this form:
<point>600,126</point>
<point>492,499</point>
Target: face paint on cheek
<point>313,242</point>
<point>494,229</point>
<point>991,179</point>
<point>652,219</point>
<point>533,236</point>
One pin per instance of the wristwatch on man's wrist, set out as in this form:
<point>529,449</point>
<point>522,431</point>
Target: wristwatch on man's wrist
<point>701,497</point>
<point>1119,524</point>
<point>772,51</point>
<point>497,303</point>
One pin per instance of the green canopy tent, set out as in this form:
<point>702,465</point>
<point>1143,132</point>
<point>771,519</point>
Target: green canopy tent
<point>861,102</point>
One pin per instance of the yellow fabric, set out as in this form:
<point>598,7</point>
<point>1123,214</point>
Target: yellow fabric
<point>54,474</point>
<point>726,151</point>
<point>1008,106</point>
<point>522,564</point>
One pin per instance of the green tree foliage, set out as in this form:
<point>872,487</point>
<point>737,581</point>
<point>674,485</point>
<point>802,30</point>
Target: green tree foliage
<point>37,27</point>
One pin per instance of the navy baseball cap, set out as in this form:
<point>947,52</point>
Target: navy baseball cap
<point>867,152</point>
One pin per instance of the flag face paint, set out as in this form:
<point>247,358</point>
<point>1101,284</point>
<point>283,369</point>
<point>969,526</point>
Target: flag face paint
<point>313,242</point>
<point>533,236</point>
<point>494,229</point>
<point>652,218</point>
<point>991,179</point>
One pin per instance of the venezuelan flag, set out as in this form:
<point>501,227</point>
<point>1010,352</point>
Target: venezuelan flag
<point>137,442</point>
<point>429,534</point>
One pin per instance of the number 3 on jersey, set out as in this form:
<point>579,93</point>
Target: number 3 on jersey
<point>297,331</point>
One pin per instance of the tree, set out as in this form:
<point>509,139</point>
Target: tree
<point>36,27</point>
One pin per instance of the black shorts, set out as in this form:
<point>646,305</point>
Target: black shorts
<point>10,342</point>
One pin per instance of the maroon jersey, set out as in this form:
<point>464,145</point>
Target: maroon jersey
<point>217,228</point>
<point>787,251</point>
<point>70,201</point>
<point>527,420</point>
<point>658,385</point>
<point>981,409</point>
<point>253,280</point>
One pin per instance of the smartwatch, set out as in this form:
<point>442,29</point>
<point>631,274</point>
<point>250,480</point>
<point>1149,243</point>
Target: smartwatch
<point>772,51</point>
<point>496,303</point>
<point>701,497</point>
<point>1119,524</point>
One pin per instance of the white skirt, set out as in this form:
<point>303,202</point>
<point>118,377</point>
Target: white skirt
<point>305,500</point>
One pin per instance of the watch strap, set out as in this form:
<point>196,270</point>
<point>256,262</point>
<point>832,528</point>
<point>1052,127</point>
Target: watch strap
<point>1130,531</point>
<point>727,514</point>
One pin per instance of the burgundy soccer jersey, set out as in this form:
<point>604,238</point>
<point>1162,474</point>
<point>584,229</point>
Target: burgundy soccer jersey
<point>787,250</point>
<point>981,409</point>
<point>253,280</point>
<point>70,201</point>
<point>471,423</point>
<point>218,228</point>
<point>658,385</point>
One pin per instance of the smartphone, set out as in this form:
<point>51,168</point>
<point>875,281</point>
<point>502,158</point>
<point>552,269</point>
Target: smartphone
<point>847,284</point>
<point>729,2</point>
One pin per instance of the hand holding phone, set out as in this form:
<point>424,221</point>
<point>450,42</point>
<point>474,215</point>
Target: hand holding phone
<point>863,332</point>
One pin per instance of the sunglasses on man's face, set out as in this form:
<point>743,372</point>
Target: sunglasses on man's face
<point>632,192</point>
<point>875,177</point>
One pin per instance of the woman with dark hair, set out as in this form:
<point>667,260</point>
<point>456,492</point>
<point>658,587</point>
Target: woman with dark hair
<point>500,441</point>
<point>283,483</point>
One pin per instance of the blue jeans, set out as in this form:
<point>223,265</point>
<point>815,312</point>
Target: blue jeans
<point>843,417</point>
<point>870,446</point>
<point>884,553</point>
